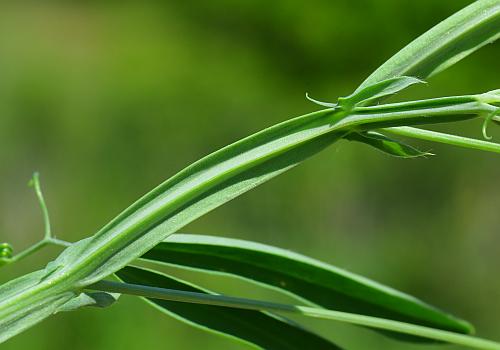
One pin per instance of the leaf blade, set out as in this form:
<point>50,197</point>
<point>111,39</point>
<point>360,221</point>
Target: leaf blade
<point>379,90</point>
<point>311,280</point>
<point>386,145</point>
<point>260,329</point>
<point>445,44</point>
<point>299,310</point>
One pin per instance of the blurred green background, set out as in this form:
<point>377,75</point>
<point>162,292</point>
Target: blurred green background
<point>107,99</point>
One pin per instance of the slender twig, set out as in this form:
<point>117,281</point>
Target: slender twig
<point>435,136</point>
<point>251,304</point>
<point>35,182</point>
<point>28,251</point>
<point>59,242</point>
<point>48,237</point>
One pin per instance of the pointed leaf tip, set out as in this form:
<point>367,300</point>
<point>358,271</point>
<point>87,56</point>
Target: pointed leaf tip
<point>374,92</point>
<point>387,145</point>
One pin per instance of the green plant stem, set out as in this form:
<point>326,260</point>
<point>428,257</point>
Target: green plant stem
<point>48,237</point>
<point>28,251</point>
<point>251,304</point>
<point>35,182</point>
<point>59,242</point>
<point>435,136</point>
<point>36,247</point>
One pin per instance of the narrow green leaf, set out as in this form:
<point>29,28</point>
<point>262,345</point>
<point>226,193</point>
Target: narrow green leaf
<point>443,45</point>
<point>93,299</point>
<point>265,330</point>
<point>370,93</point>
<point>312,280</point>
<point>387,145</point>
<point>298,310</point>
<point>378,90</point>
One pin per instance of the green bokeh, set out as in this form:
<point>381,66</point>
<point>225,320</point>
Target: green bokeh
<point>107,99</point>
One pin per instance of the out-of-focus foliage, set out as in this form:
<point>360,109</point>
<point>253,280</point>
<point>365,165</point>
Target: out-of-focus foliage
<point>90,93</point>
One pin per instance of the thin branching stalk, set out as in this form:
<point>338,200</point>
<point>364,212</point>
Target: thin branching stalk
<point>251,304</point>
<point>440,137</point>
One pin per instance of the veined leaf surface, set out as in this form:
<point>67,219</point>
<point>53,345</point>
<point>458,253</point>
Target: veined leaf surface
<point>265,330</point>
<point>312,280</point>
<point>443,45</point>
